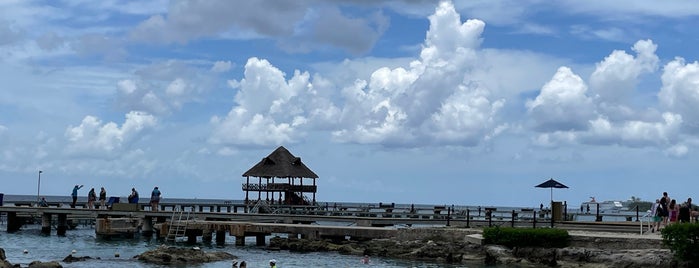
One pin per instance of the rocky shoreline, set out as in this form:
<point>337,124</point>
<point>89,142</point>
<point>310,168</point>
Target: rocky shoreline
<point>449,245</point>
<point>163,255</point>
<point>446,245</point>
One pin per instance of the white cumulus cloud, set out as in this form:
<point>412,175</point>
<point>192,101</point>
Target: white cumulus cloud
<point>95,138</point>
<point>680,91</point>
<point>432,101</point>
<point>562,104</point>
<point>616,77</point>
<point>270,110</point>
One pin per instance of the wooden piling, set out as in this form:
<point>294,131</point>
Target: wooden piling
<point>62,224</point>
<point>46,223</point>
<point>260,240</point>
<point>221,237</point>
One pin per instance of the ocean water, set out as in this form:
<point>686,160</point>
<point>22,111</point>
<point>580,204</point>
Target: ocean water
<point>84,242</point>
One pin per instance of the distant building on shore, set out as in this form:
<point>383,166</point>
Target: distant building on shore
<point>280,176</point>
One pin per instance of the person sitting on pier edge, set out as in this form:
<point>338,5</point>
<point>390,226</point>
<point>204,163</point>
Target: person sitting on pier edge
<point>43,202</point>
<point>155,199</point>
<point>103,198</point>
<point>74,195</point>
<point>133,197</point>
<point>91,198</point>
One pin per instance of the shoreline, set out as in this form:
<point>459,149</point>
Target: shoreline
<point>457,245</point>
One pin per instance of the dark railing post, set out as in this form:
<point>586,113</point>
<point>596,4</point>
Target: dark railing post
<point>637,217</point>
<point>448,215</point>
<point>489,214</point>
<point>598,218</point>
<point>513,218</point>
<point>534,222</point>
<point>468,218</point>
<point>551,211</point>
<point>565,210</point>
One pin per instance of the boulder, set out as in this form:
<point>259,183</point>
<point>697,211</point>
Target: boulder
<point>70,258</point>
<point>165,255</point>
<point>3,262</point>
<point>50,264</point>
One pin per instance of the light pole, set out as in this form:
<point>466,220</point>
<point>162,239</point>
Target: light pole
<point>38,188</point>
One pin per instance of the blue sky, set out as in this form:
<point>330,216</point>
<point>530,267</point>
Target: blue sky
<point>464,102</point>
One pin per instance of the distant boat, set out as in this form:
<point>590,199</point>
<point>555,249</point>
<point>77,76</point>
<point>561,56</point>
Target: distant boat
<point>604,206</point>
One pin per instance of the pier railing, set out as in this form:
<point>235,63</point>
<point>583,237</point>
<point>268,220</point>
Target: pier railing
<point>278,187</point>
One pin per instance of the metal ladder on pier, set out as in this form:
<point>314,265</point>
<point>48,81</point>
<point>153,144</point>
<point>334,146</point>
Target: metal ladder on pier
<point>178,224</point>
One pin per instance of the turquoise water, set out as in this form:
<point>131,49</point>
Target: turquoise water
<point>83,240</point>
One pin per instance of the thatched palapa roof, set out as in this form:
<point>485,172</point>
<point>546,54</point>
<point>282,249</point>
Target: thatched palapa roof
<point>280,164</point>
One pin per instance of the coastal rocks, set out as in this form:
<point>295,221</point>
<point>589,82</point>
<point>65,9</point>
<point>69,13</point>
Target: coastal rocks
<point>448,252</point>
<point>3,262</point>
<point>579,257</point>
<point>451,246</point>
<point>50,264</point>
<point>70,258</point>
<point>165,255</point>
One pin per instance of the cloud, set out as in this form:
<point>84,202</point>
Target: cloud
<point>297,26</point>
<point>221,66</point>
<point>680,91</point>
<point>9,34</point>
<point>94,138</point>
<point>616,77</point>
<point>565,113</point>
<point>432,102</point>
<point>562,104</point>
<point>270,110</point>
<point>164,87</point>
<point>634,133</point>
<point>327,26</point>
<point>98,44</point>
<point>50,41</point>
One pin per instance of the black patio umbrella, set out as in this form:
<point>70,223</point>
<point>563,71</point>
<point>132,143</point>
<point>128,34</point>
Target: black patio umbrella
<point>551,183</point>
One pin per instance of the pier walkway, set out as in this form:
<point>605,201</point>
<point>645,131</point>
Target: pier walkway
<point>336,222</point>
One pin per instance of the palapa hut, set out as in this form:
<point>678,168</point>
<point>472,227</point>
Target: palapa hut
<point>282,173</point>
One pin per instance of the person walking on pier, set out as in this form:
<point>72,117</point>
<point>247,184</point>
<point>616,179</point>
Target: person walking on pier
<point>91,198</point>
<point>155,199</point>
<point>74,194</point>
<point>103,198</point>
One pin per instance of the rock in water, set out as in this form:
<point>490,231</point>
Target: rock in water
<point>173,255</point>
<point>70,258</point>
<point>50,264</point>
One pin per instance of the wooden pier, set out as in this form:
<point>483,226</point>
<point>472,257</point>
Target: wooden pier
<point>335,222</point>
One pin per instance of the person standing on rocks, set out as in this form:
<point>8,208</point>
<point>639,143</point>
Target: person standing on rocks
<point>74,195</point>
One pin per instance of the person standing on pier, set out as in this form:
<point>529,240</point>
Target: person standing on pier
<point>74,194</point>
<point>155,199</point>
<point>91,198</point>
<point>133,197</point>
<point>103,198</point>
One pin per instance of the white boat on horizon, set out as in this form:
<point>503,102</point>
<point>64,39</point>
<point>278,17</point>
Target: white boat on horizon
<point>610,206</point>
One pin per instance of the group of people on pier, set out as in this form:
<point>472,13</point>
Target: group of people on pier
<point>667,211</point>
<point>92,198</point>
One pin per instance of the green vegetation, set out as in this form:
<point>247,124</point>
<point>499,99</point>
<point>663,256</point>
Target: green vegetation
<point>643,206</point>
<point>683,240</point>
<point>526,237</point>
